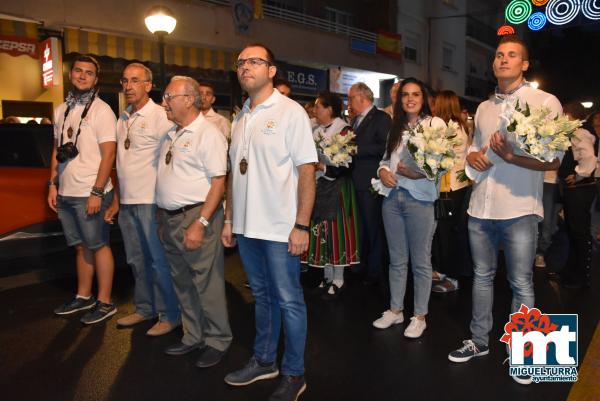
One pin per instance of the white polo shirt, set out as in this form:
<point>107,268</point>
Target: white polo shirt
<point>77,176</point>
<point>278,137</point>
<point>137,166</point>
<point>198,153</point>
<point>220,121</point>
<point>505,190</point>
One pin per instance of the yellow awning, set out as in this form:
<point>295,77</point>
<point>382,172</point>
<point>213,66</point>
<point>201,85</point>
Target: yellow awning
<point>87,42</point>
<point>19,28</point>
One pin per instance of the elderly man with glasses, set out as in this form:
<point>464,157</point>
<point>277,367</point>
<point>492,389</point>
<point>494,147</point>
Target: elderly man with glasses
<point>141,128</point>
<point>189,193</point>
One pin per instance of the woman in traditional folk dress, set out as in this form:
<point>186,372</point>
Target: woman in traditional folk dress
<point>333,229</point>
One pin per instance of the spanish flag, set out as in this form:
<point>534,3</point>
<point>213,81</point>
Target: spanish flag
<point>389,44</point>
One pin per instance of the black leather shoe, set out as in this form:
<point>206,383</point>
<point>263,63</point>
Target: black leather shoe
<point>210,357</point>
<point>180,349</point>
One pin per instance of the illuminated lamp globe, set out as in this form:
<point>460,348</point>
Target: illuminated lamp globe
<point>160,19</point>
<point>534,84</point>
<point>587,105</point>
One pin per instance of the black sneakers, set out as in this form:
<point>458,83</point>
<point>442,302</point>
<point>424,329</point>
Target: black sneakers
<point>100,312</point>
<point>75,305</point>
<point>289,389</point>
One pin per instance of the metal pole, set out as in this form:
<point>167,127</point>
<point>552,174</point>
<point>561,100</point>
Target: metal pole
<point>161,52</point>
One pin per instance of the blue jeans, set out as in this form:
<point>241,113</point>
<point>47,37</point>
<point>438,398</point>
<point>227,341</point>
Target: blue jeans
<point>80,227</point>
<point>274,276</point>
<point>154,293</point>
<point>519,236</point>
<point>409,227</point>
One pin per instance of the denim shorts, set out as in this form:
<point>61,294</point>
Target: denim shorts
<point>78,226</point>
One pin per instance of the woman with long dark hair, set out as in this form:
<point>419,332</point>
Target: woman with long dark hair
<point>451,254</point>
<point>408,210</point>
<point>333,232</point>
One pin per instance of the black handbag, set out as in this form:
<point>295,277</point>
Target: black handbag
<point>443,207</point>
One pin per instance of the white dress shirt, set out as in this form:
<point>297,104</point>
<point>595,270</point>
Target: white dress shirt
<point>505,190</point>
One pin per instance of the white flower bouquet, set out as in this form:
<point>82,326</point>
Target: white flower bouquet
<point>539,135</point>
<point>432,149</point>
<point>337,150</point>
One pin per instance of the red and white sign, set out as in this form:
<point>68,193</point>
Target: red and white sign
<point>50,62</point>
<point>47,68</point>
<point>18,46</point>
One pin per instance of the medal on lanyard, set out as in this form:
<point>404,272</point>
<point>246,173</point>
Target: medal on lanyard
<point>243,166</point>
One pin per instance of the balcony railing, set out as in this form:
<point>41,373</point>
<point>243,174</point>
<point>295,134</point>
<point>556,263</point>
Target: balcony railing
<point>309,21</point>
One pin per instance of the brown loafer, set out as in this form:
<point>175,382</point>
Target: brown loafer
<point>160,328</point>
<point>132,320</point>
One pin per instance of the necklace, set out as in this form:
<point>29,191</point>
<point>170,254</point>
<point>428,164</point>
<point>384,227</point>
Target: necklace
<point>169,155</point>
<point>246,141</point>
<point>127,142</point>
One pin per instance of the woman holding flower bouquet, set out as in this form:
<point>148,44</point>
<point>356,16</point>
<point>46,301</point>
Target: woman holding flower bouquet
<point>408,208</point>
<point>333,228</point>
<point>451,253</point>
<point>579,190</point>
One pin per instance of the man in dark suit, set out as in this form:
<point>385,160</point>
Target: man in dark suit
<point>371,127</point>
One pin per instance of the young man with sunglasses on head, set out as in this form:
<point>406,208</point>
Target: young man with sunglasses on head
<point>80,189</point>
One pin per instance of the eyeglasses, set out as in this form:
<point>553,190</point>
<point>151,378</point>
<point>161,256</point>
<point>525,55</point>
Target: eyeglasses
<point>169,96</point>
<point>252,62</point>
<point>133,81</point>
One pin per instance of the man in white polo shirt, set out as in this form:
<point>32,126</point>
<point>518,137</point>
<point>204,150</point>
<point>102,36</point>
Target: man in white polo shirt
<point>140,131</point>
<point>506,203</point>
<point>207,96</point>
<point>271,192</point>
<point>189,192</point>
<point>80,189</point>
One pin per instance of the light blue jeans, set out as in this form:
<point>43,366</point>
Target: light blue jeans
<point>519,237</point>
<point>409,227</point>
<point>274,276</point>
<point>154,293</point>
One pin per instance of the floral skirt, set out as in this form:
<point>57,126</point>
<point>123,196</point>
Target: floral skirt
<point>336,242</point>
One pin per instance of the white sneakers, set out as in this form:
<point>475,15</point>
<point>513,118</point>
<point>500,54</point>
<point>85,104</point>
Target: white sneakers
<point>415,328</point>
<point>387,319</point>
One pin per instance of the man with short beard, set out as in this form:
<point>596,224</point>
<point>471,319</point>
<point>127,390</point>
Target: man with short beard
<point>207,96</point>
<point>80,189</point>
<point>271,192</point>
<point>141,128</point>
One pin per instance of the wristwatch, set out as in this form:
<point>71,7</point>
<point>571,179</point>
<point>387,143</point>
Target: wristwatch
<point>203,221</point>
<point>51,183</point>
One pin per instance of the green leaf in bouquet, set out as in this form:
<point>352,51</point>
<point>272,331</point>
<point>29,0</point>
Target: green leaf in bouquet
<point>428,171</point>
<point>412,147</point>
<point>527,111</point>
<point>461,176</point>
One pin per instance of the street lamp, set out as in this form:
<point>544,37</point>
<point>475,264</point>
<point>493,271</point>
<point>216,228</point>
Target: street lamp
<point>535,84</point>
<point>160,22</point>
<point>587,105</point>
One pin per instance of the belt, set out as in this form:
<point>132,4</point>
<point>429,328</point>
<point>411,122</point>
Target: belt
<point>181,209</point>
